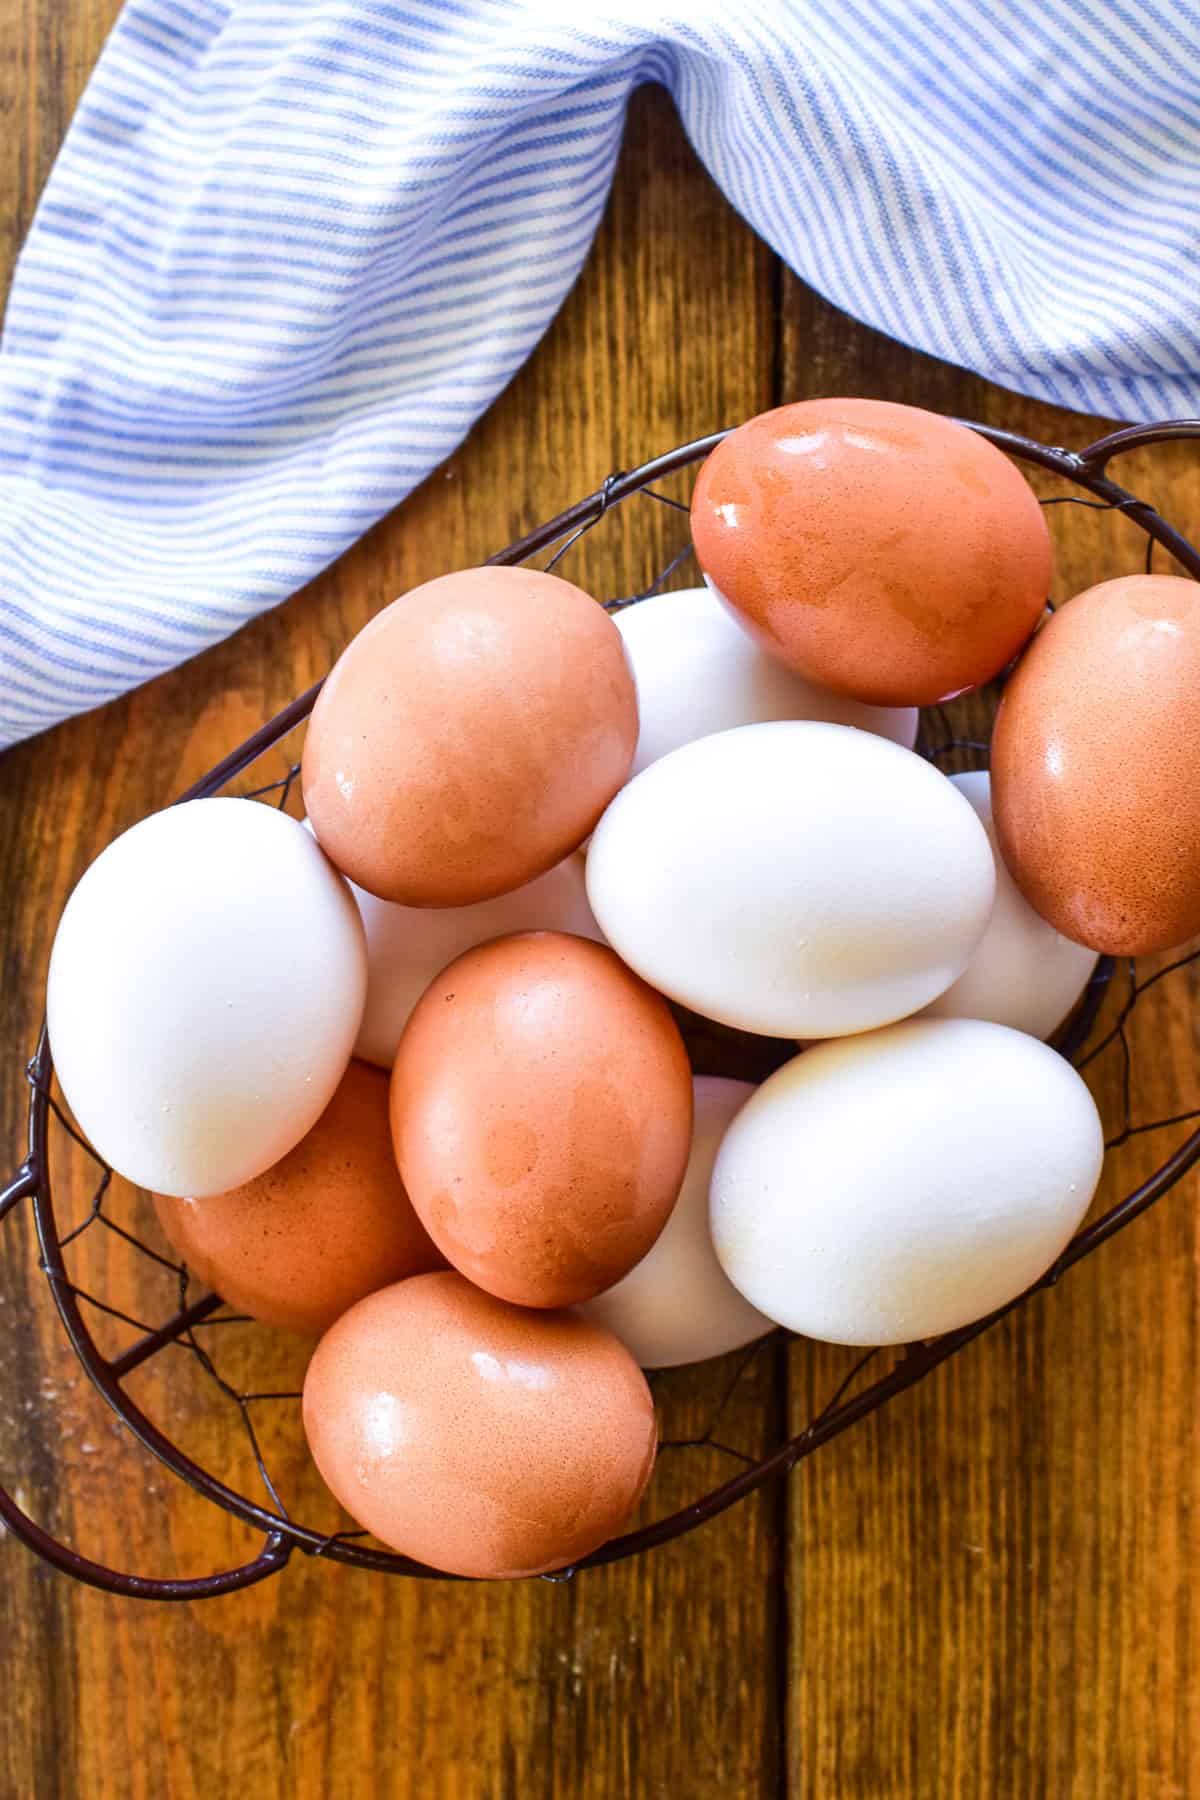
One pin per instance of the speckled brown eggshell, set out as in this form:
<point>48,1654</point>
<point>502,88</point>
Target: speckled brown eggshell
<point>328,1224</point>
<point>880,550</point>
<point>1096,767</point>
<point>469,737</point>
<point>474,1436</point>
<point>542,1116</point>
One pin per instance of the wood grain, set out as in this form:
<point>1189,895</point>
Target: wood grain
<point>989,1581</point>
<point>327,1681</point>
<point>984,1591</point>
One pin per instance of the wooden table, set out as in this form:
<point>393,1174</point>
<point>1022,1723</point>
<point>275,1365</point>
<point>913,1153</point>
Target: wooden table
<point>984,1591</point>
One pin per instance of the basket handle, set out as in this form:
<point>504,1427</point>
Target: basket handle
<point>271,1558</point>
<point>1097,456</point>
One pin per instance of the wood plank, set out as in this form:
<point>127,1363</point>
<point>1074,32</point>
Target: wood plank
<point>989,1582</point>
<point>658,1677</point>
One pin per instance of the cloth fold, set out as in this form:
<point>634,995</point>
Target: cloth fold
<point>290,251</point>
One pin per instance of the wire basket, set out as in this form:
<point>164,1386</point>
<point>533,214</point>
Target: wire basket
<point>1099,1026</point>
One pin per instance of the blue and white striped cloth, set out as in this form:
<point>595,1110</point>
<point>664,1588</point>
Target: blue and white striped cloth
<point>292,249</point>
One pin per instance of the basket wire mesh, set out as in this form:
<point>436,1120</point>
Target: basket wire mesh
<point>1099,1028</point>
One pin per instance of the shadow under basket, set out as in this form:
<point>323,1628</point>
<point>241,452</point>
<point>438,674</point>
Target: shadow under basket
<point>1100,1024</point>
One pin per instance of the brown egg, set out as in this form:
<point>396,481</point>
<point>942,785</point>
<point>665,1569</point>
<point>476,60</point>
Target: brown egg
<point>470,737</point>
<point>1096,766</point>
<point>331,1222</point>
<point>542,1116</point>
<point>880,550</point>
<point>474,1436</point>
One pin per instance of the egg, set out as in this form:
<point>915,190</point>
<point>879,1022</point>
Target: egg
<point>205,990</point>
<point>329,1223</point>
<point>1096,767</point>
<point>1023,973</point>
<point>408,945</point>
<point>477,1437</point>
<point>542,1116</point>
<point>698,672</point>
<point>796,879</point>
<point>678,1305</point>
<point>469,737</point>
<point>880,550</point>
<point>889,1187</point>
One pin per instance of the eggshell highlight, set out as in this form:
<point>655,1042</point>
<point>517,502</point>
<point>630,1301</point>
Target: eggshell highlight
<point>328,1224</point>
<point>476,1437</point>
<point>1096,767</point>
<point>890,1187</point>
<point>542,1115</point>
<point>880,550</point>
<point>469,737</point>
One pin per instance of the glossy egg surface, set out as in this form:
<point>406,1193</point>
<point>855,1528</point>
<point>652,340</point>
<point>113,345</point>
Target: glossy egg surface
<point>880,550</point>
<point>469,737</point>
<point>474,1436</point>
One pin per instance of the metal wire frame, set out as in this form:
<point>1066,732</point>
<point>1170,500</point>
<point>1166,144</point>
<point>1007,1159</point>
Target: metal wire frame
<point>1087,469</point>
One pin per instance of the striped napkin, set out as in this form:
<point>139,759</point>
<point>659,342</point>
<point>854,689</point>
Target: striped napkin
<point>291,249</point>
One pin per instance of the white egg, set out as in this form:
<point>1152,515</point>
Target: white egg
<point>796,879</point>
<point>205,989</point>
<point>408,945</point>
<point>1024,972</point>
<point>886,1188</point>
<point>678,1305</point>
<point>698,672</point>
